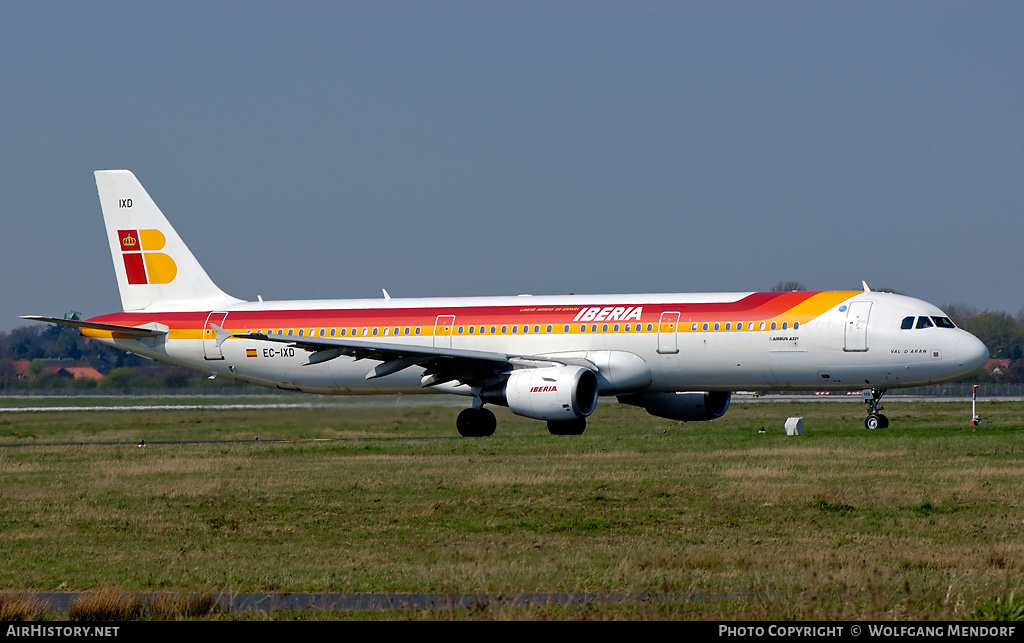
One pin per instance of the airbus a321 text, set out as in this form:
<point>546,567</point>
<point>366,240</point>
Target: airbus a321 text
<point>679,356</point>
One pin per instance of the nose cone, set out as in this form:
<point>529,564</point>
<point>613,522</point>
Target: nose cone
<point>971,353</point>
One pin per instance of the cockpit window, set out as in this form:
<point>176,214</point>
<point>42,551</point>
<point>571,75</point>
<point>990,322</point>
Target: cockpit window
<point>943,322</point>
<point>924,322</point>
<point>908,323</point>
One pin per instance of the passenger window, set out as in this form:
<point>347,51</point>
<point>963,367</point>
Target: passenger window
<point>785,325</point>
<point>583,328</point>
<point>472,329</point>
<point>536,329</point>
<point>566,328</point>
<point>728,326</point>
<point>650,327</point>
<point>750,326</point>
<point>343,332</point>
<point>774,325</point>
<point>908,323</point>
<point>705,327</point>
<point>461,328</point>
<point>716,326</point>
<point>385,332</point>
<point>493,329</point>
<point>615,328</point>
<point>375,332</point>
<point>796,325</point>
<point>417,330</point>
<point>604,329</point>
<point>924,322</point>
<point>515,329</point>
<point>548,330</point>
<point>334,331</point>
<point>761,326</point>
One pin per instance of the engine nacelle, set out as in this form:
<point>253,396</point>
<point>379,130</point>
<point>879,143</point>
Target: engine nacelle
<point>552,393</point>
<point>688,407</point>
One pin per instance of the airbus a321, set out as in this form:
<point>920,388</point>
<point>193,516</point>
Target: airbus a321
<point>679,356</point>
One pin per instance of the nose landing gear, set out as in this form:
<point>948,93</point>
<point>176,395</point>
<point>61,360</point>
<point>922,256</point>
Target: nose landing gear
<point>874,420</point>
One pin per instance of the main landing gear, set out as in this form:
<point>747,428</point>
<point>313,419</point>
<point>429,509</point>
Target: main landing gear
<point>875,420</point>
<point>480,423</point>
<point>476,423</point>
<point>567,427</point>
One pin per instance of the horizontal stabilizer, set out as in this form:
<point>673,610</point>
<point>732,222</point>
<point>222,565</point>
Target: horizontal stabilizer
<point>134,331</point>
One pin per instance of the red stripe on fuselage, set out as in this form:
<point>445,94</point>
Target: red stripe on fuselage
<point>753,307</point>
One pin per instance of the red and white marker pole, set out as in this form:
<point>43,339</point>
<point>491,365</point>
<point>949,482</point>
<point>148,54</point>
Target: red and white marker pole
<point>975,420</point>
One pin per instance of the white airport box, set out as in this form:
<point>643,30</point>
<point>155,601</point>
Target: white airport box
<point>795,426</point>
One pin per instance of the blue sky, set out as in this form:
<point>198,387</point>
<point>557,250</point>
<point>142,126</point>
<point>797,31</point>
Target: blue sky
<point>331,149</point>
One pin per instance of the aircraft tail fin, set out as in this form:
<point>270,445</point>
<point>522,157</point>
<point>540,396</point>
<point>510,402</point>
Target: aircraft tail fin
<point>155,269</point>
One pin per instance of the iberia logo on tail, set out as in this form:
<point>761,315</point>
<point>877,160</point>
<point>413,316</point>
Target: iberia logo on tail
<point>143,265</point>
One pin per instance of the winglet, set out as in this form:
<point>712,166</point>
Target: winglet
<point>867,288</point>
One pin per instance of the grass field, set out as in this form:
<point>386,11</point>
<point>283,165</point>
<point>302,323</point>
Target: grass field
<point>922,520</point>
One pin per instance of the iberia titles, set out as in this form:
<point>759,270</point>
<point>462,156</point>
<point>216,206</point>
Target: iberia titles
<point>609,313</point>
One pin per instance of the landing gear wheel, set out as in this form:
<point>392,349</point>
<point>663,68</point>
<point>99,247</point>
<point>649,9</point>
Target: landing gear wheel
<point>476,423</point>
<point>567,427</point>
<point>875,420</point>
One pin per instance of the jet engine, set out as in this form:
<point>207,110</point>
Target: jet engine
<point>688,407</point>
<point>555,393</point>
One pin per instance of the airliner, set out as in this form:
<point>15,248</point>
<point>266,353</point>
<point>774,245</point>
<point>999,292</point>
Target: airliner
<point>678,356</point>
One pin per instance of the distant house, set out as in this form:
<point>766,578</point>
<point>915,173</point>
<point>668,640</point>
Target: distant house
<point>997,367</point>
<point>71,369</point>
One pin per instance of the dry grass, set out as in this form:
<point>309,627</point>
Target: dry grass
<point>107,604</point>
<point>922,520</point>
<point>113,604</point>
<point>21,606</point>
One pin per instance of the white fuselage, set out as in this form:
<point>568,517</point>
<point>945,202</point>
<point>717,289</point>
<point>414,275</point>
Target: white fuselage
<point>673,342</point>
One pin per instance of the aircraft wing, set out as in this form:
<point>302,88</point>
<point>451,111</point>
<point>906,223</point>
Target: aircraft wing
<point>471,367</point>
<point>148,330</point>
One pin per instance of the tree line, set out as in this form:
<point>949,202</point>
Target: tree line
<point>40,344</point>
